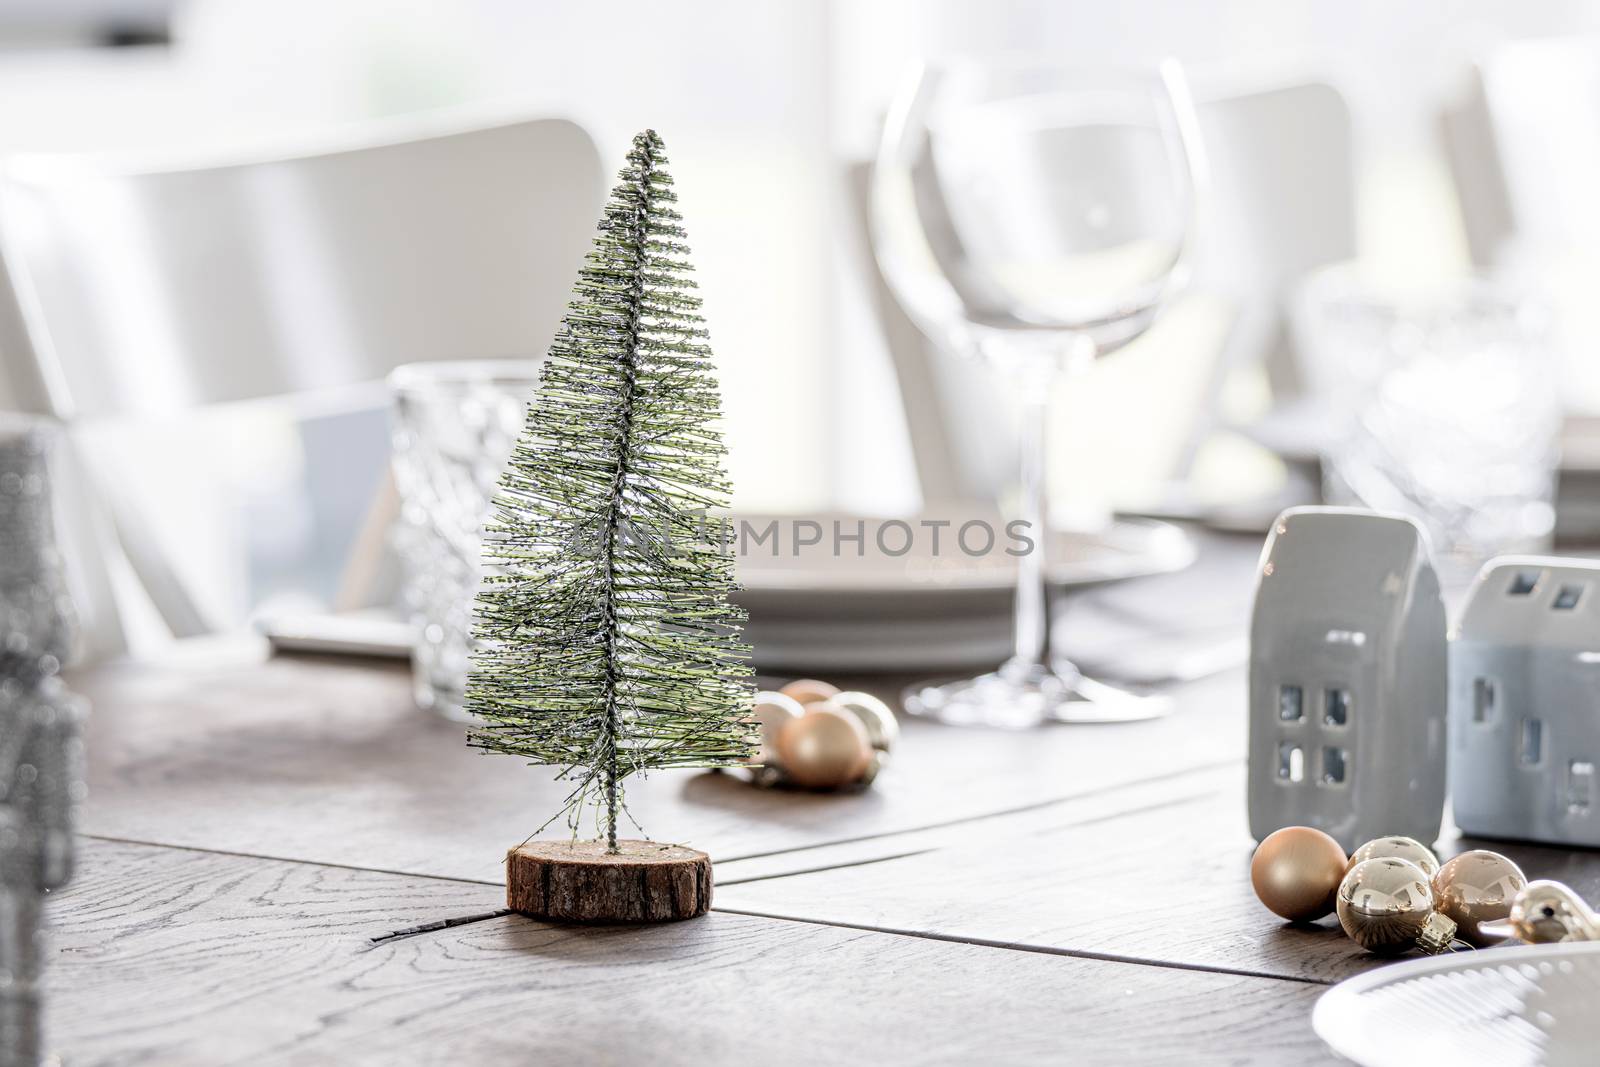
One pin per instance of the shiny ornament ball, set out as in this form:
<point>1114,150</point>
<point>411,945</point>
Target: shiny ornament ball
<point>772,710</point>
<point>882,727</point>
<point>1546,913</point>
<point>1296,871</point>
<point>825,748</point>
<point>809,690</point>
<point>1405,848</point>
<point>1386,906</point>
<point>1474,888</point>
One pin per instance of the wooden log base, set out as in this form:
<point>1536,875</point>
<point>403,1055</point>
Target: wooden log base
<point>579,881</point>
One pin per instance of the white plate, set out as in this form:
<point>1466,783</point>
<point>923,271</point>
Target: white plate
<point>935,645</point>
<point>816,581</point>
<point>873,612</point>
<point>1509,1007</point>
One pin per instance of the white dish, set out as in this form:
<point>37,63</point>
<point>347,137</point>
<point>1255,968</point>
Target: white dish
<point>1511,1007</point>
<point>379,635</point>
<point>817,581</point>
<point>874,612</point>
<point>934,645</point>
<point>920,611</point>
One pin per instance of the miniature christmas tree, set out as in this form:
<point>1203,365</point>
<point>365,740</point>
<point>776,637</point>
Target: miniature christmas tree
<point>606,643</point>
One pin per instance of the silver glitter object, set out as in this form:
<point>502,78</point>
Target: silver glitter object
<point>41,786</point>
<point>36,617</point>
<point>41,746</point>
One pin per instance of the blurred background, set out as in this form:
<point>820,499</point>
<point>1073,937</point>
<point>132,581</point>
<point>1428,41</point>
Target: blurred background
<point>1390,302</point>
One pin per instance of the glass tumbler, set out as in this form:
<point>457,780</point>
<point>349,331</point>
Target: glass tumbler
<point>455,425</point>
<point>1447,408</point>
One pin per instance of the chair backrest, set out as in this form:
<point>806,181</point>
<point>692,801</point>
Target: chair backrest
<point>157,284</point>
<point>1467,132</point>
<point>21,390</point>
<point>1529,118</point>
<point>1281,203</point>
<point>150,286</point>
<point>1524,149</point>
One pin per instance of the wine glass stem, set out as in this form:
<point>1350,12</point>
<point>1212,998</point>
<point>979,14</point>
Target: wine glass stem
<point>1031,622</point>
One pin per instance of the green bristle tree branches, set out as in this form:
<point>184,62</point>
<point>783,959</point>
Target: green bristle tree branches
<point>605,640</point>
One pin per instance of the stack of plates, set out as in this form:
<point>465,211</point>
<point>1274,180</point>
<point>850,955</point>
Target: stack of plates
<point>873,611</point>
<point>828,607</point>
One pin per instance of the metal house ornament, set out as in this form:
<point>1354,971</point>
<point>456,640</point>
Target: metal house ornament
<point>1525,702</point>
<point>41,745</point>
<point>37,622</point>
<point>1347,678</point>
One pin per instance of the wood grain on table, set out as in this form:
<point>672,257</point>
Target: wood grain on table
<point>1068,894</point>
<point>329,760</point>
<point>1166,881</point>
<point>178,957</point>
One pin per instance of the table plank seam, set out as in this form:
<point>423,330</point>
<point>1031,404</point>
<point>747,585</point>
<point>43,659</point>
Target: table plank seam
<point>287,859</point>
<point>1123,813</point>
<point>1002,813</point>
<point>456,922</point>
<point>859,862</point>
<point>841,865</point>
<point>1046,950</point>
<point>1037,805</point>
<point>863,861</point>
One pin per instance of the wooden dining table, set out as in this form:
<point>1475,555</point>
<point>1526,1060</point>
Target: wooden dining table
<point>283,860</point>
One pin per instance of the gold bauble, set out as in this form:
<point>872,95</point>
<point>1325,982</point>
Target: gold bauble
<point>809,690</point>
<point>824,749</point>
<point>1296,871</point>
<point>882,727</point>
<point>1386,906</point>
<point>1405,848</point>
<point>772,710</point>
<point>1547,912</point>
<point>1477,887</point>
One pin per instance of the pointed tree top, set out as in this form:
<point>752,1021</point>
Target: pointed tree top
<point>648,149</point>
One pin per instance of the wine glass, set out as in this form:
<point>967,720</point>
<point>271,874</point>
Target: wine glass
<point>1036,217</point>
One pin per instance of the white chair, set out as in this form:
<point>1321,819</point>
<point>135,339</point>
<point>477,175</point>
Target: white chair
<point>154,286</point>
<point>1523,141</point>
<point>1281,203</point>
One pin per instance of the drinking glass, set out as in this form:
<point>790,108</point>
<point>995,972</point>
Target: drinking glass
<point>1036,217</point>
<point>455,425</point>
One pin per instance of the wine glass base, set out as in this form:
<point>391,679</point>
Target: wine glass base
<point>1019,698</point>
